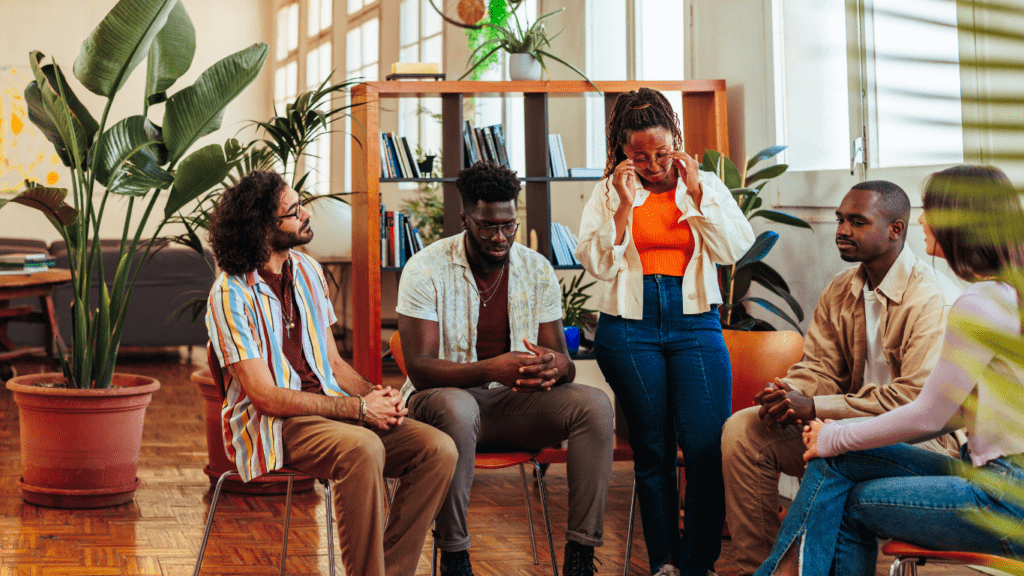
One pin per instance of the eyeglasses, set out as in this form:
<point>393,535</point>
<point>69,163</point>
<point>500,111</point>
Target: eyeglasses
<point>662,160</point>
<point>489,232</point>
<point>294,214</point>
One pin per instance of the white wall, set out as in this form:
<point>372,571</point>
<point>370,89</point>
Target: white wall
<point>58,28</point>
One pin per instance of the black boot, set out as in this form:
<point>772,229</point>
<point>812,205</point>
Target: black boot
<point>456,563</point>
<point>579,560</point>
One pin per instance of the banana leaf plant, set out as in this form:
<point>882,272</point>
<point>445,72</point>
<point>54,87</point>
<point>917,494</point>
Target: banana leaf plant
<point>735,280</point>
<point>133,159</point>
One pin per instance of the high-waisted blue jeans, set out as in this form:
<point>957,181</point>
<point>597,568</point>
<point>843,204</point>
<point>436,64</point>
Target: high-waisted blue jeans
<point>846,502</point>
<point>670,373</point>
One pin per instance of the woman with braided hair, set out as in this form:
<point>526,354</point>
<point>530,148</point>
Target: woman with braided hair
<point>653,231</point>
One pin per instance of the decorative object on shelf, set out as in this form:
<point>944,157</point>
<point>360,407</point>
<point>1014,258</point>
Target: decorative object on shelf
<point>427,208</point>
<point>736,279</point>
<point>471,11</point>
<point>502,36</point>
<point>136,160</point>
<point>574,308</point>
<point>524,67</point>
<point>415,71</point>
<point>427,165</point>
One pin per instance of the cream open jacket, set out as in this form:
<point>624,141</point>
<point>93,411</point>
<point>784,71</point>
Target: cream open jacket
<point>721,235</point>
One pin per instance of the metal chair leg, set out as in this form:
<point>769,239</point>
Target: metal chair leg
<point>287,521</point>
<point>433,553</point>
<point>209,518</point>
<point>547,517</point>
<point>529,513</point>
<point>629,531</point>
<point>328,506</point>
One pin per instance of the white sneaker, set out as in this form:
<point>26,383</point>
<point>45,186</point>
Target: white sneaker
<point>667,570</point>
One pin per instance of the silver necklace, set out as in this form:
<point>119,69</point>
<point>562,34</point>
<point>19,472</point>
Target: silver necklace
<point>494,287</point>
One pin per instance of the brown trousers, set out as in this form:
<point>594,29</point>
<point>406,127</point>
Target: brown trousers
<point>752,458</point>
<point>357,460</point>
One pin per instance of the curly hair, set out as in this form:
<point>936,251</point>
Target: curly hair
<point>635,111</point>
<point>968,208</point>
<point>244,220</point>
<point>487,182</point>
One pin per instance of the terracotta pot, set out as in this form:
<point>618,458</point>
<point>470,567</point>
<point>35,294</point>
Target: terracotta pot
<point>80,447</point>
<point>217,458</point>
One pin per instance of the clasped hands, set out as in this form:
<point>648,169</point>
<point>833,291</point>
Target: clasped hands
<point>536,370</point>
<point>384,408</point>
<point>782,405</point>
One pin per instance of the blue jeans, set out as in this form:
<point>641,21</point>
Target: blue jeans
<point>846,502</point>
<point>670,373</point>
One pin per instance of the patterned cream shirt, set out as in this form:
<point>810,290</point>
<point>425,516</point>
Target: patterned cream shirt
<point>437,285</point>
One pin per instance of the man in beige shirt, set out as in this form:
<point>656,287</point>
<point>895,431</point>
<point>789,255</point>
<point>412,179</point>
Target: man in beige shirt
<point>874,338</point>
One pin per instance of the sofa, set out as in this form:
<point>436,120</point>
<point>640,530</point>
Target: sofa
<point>172,276</point>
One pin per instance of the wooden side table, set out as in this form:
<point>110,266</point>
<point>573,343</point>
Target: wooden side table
<point>39,285</point>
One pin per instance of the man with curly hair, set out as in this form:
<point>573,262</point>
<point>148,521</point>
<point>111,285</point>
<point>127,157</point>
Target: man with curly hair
<point>290,398</point>
<point>481,323</point>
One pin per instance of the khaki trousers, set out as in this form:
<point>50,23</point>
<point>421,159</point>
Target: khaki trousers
<point>752,458</point>
<point>356,460</point>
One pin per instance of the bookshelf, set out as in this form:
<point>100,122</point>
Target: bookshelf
<point>705,126</point>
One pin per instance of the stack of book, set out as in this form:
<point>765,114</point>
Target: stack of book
<point>563,244</point>
<point>396,157</point>
<point>399,240</point>
<point>487,143</point>
<point>25,263</point>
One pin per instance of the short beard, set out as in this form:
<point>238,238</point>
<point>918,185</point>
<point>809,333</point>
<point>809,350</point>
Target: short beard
<point>279,241</point>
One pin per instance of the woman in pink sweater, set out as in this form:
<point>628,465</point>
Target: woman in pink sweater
<point>862,481</point>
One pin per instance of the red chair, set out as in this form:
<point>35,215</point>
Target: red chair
<point>218,377</point>
<point>495,461</point>
<point>909,557</point>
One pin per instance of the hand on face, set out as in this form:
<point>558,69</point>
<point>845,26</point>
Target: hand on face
<point>689,171</point>
<point>624,182</point>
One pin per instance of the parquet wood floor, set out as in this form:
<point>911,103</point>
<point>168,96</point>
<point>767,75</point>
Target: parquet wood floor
<point>159,532</point>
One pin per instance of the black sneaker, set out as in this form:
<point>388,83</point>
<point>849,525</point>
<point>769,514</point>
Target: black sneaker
<point>456,563</point>
<point>579,560</point>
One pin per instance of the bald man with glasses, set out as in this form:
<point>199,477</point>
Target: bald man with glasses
<point>481,323</point>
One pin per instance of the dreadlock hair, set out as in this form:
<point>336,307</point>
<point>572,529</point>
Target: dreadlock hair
<point>244,220</point>
<point>636,111</point>
<point>487,182</point>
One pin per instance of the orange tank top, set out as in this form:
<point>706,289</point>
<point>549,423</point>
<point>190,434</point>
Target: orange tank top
<point>665,244</point>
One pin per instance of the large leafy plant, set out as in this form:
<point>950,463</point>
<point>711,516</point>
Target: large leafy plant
<point>736,279</point>
<point>133,159</point>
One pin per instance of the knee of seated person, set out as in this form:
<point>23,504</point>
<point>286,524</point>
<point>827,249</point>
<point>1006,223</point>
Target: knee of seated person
<point>440,446</point>
<point>453,408</point>
<point>738,428</point>
<point>364,450</point>
<point>595,402</point>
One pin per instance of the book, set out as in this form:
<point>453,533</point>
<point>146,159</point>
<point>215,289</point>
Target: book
<point>419,239</point>
<point>498,136</point>
<point>467,143</point>
<point>563,169</point>
<point>586,172</point>
<point>410,242</point>
<point>385,166</point>
<point>570,242</point>
<point>488,139</point>
<point>402,170</point>
<point>554,156</point>
<point>558,246</point>
<point>383,236</point>
<point>481,152</point>
<point>389,254</point>
<point>414,167</point>
<point>396,168</point>
<point>27,260</point>
<point>399,240</point>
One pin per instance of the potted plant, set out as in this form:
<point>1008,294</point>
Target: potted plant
<point>736,279</point>
<point>81,429</point>
<point>527,46</point>
<point>576,317</point>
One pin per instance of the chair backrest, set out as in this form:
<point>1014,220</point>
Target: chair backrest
<point>215,370</point>
<point>757,358</point>
<point>396,351</point>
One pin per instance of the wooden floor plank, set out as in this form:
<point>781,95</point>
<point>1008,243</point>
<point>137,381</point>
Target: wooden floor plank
<point>159,532</point>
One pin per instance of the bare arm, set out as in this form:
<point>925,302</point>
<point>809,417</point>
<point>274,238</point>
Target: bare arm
<point>272,400</point>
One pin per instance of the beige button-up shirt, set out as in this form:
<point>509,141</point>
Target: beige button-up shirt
<point>835,347</point>
<point>437,284</point>
<point>721,235</point>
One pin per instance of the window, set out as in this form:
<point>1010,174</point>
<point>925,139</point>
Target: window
<point>895,83</point>
<point>362,59</point>
<point>317,159</point>
<point>420,40</point>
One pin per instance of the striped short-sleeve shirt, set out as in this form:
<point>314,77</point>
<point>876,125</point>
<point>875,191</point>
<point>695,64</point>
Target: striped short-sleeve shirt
<point>245,322</point>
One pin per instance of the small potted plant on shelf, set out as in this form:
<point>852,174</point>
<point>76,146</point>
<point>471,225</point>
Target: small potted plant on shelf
<point>527,47</point>
<point>81,429</point>
<point>576,317</point>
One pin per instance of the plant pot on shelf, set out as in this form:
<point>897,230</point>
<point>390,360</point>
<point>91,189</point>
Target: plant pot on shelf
<point>217,459</point>
<point>572,338</point>
<point>80,447</point>
<point>524,67</point>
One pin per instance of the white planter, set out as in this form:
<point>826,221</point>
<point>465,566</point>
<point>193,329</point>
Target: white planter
<point>524,67</point>
<point>331,221</point>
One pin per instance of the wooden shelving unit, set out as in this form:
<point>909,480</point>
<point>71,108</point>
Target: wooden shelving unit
<point>704,127</point>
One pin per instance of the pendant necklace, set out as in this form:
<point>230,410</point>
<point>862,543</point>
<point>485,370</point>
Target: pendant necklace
<point>493,288</point>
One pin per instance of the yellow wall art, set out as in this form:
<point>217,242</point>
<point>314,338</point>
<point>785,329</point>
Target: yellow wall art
<point>24,151</point>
